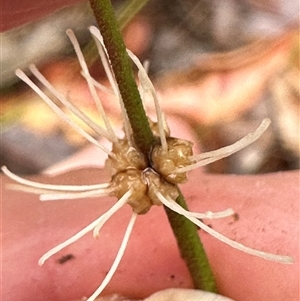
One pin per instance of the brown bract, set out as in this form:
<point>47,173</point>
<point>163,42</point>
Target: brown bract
<point>176,156</point>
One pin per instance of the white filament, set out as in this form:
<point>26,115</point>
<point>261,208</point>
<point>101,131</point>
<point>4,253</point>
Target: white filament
<point>98,85</point>
<point>205,215</point>
<point>50,195</point>
<point>92,89</point>
<point>110,212</point>
<point>212,215</point>
<point>59,111</point>
<point>98,129</point>
<point>51,186</point>
<point>84,231</point>
<point>175,207</point>
<point>209,157</point>
<point>75,195</point>
<point>117,259</point>
<point>104,58</point>
<point>147,85</point>
<point>105,62</point>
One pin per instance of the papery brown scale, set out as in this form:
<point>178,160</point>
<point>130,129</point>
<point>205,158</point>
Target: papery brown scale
<point>131,179</point>
<point>126,157</point>
<point>166,161</point>
<point>156,183</point>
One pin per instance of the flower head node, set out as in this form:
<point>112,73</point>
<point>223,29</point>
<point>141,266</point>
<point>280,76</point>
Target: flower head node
<point>132,179</point>
<point>157,183</point>
<point>125,157</point>
<point>138,181</point>
<point>177,155</point>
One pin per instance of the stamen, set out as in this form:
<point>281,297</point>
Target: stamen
<point>98,129</point>
<point>49,195</point>
<point>69,241</point>
<point>81,233</point>
<point>209,157</point>
<point>110,212</point>
<point>205,215</point>
<point>51,186</point>
<point>142,89</point>
<point>60,112</point>
<point>147,85</point>
<point>211,215</point>
<point>104,58</point>
<point>29,189</point>
<point>98,85</point>
<point>105,62</point>
<point>117,259</point>
<point>75,195</point>
<point>175,207</point>
<point>92,89</point>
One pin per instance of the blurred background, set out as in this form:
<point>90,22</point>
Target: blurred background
<point>220,67</point>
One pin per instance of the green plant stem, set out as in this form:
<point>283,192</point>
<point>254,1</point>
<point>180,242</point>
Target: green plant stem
<point>191,248</point>
<point>185,231</point>
<point>121,66</point>
<point>124,15</point>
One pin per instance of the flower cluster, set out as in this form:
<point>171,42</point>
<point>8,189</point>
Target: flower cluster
<point>135,180</point>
